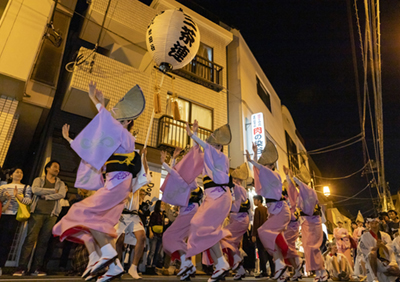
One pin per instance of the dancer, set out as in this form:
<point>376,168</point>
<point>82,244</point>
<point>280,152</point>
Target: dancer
<point>292,232</point>
<point>105,140</point>
<point>206,230</point>
<point>311,230</point>
<point>269,185</point>
<point>343,241</point>
<point>238,220</point>
<point>377,249</point>
<point>130,228</point>
<point>174,239</point>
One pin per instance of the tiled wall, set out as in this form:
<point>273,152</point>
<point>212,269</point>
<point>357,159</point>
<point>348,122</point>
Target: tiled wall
<point>8,122</point>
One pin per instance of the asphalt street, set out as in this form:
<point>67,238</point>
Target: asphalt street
<point>125,277</point>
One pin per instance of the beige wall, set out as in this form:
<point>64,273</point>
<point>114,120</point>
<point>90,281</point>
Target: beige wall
<point>115,78</point>
<point>21,30</point>
<point>244,101</point>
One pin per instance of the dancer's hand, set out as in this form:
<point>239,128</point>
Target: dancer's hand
<point>100,97</point>
<point>195,126</point>
<point>255,148</point>
<point>8,196</point>
<point>176,152</point>
<point>285,170</point>
<point>65,132</point>
<point>144,151</point>
<point>92,89</point>
<point>248,157</point>
<point>188,130</point>
<point>163,156</point>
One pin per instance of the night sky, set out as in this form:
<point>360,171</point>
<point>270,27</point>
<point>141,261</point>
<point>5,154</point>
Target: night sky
<point>305,50</point>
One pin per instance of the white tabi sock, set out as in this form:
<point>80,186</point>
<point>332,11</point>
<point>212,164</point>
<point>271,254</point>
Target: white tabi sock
<point>93,257</point>
<point>222,263</point>
<point>115,268</point>
<point>108,251</point>
<point>236,258</point>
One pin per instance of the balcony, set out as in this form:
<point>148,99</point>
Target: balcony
<point>172,133</point>
<point>203,72</point>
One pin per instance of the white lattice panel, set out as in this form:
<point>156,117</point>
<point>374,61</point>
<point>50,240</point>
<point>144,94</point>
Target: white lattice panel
<point>8,122</point>
<point>115,79</point>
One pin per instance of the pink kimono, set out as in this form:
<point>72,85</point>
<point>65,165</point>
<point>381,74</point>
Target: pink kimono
<point>176,191</point>
<point>311,228</point>
<point>343,243</point>
<point>269,185</point>
<point>238,224</point>
<point>100,139</point>
<point>206,225</point>
<point>292,232</point>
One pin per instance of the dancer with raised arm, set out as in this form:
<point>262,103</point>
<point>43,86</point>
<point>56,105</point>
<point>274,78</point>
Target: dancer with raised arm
<point>292,232</point>
<point>268,184</point>
<point>311,230</point>
<point>206,230</point>
<point>105,140</point>
<point>238,219</point>
<point>174,239</point>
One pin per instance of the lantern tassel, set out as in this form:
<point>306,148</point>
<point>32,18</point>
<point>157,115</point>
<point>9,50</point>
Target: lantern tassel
<point>174,104</point>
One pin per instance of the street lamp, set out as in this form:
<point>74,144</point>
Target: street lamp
<point>327,191</point>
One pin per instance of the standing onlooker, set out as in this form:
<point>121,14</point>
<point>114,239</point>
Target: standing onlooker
<point>156,229</point>
<point>384,220</point>
<point>394,223</point>
<point>8,221</point>
<point>48,190</point>
<point>261,216</point>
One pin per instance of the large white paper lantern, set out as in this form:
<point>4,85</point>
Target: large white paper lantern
<point>172,39</point>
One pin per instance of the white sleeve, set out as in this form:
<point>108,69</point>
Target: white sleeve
<point>98,106</point>
<point>167,167</point>
<point>199,141</point>
<point>256,164</point>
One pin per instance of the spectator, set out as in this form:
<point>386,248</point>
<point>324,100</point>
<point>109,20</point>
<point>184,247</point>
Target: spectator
<point>144,207</point>
<point>261,216</point>
<point>393,224</point>
<point>8,221</point>
<point>384,220</point>
<point>337,264</point>
<point>156,229</point>
<point>48,190</point>
<point>53,241</point>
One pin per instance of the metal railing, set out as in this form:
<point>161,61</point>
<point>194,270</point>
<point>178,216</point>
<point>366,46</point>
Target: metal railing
<point>205,69</point>
<point>172,133</point>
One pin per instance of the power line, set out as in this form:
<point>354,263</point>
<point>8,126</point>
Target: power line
<point>343,177</point>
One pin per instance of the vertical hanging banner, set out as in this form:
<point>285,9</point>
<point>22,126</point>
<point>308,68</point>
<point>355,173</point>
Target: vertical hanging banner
<point>257,126</point>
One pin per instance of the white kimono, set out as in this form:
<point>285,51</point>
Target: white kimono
<point>367,243</point>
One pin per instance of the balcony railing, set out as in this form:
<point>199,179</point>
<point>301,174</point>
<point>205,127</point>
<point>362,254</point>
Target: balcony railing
<point>172,133</point>
<point>204,72</point>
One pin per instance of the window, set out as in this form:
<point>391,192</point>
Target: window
<point>190,111</point>
<point>292,153</point>
<point>3,5</point>
<point>263,93</point>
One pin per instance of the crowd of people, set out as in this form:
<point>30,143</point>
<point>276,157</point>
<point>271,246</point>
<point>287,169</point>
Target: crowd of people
<point>112,229</point>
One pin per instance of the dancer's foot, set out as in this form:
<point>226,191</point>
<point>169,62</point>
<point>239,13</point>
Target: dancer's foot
<point>93,259</point>
<point>240,274</point>
<point>237,260</point>
<point>186,266</point>
<point>280,268</point>
<point>108,255</point>
<point>133,272</point>
<point>115,270</point>
<point>323,276</point>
